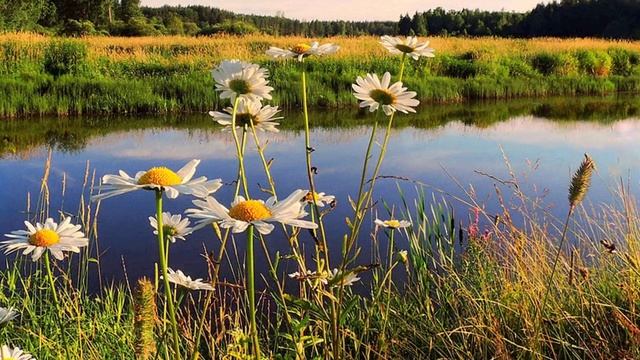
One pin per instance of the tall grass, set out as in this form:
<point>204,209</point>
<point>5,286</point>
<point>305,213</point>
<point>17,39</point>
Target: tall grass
<point>470,287</point>
<point>43,75</point>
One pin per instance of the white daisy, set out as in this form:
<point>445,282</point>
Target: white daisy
<point>303,50</point>
<point>409,46</point>
<point>347,279</point>
<point>235,78</point>
<point>392,223</point>
<point>173,226</point>
<point>7,314</point>
<point>159,178</point>
<point>15,353</point>
<point>48,236</point>
<point>179,278</point>
<point>247,112</point>
<point>310,275</point>
<point>321,199</point>
<point>255,212</point>
<point>374,93</point>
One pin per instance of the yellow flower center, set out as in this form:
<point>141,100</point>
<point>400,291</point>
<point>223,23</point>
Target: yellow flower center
<point>311,197</point>
<point>382,96</point>
<point>392,223</point>
<point>404,48</point>
<point>239,86</point>
<point>301,48</point>
<point>250,210</point>
<point>160,176</point>
<point>44,238</point>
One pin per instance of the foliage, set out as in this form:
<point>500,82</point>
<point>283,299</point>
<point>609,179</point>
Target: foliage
<point>64,57</point>
<point>231,27</point>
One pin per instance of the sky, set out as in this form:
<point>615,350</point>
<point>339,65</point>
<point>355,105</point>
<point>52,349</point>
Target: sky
<point>348,10</point>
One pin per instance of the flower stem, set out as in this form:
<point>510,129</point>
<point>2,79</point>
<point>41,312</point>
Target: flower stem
<point>404,57</point>
<point>314,206</point>
<point>239,149</point>
<point>165,277</point>
<point>251,289</point>
<point>52,283</point>
<point>260,148</point>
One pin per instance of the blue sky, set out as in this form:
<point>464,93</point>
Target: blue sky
<point>347,10</point>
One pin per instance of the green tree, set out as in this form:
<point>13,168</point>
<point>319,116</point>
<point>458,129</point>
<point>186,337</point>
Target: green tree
<point>174,25</point>
<point>129,9</point>
<point>404,26</point>
<point>21,14</point>
<point>419,24</point>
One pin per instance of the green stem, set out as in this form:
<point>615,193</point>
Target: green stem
<point>553,271</point>
<point>404,57</point>
<point>308,150</point>
<point>165,277</point>
<point>251,289</point>
<point>52,283</point>
<point>239,149</point>
<point>272,184</point>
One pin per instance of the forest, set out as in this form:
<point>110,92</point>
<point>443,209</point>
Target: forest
<point>615,19</point>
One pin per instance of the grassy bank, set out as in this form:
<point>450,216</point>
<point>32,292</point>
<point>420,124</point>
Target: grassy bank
<point>103,75</point>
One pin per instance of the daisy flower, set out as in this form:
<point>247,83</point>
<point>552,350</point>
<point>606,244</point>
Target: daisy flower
<point>374,93</point>
<point>303,50</point>
<point>320,199</point>
<point>249,112</point>
<point>173,226</point>
<point>409,46</point>
<point>252,212</point>
<point>14,354</point>
<point>310,275</point>
<point>347,279</point>
<point>235,78</point>
<point>7,314</point>
<point>392,223</point>
<point>159,178</point>
<point>179,278</point>
<point>48,236</point>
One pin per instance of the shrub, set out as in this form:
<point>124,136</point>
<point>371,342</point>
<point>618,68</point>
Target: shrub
<point>623,61</point>
<point>562,64</point>
<point>518,67</point>
<point>65,57</point>
<point>78,28</point>
<point>231,27</point>
<point>596,63</point>
<point>137,26</point>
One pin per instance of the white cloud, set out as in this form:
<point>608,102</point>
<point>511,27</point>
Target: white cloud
<point>347,10</point>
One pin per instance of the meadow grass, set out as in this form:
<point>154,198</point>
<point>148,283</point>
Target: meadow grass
<point>43,75</point>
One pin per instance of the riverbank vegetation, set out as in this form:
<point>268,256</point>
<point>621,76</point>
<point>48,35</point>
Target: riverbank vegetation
<point>41,75</point>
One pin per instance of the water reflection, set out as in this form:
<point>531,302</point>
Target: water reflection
<point>543,140</point>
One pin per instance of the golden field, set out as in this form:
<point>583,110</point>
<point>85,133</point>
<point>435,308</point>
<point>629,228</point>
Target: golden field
<point>187,49</point>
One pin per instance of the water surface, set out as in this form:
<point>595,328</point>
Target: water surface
<point>446,147</point>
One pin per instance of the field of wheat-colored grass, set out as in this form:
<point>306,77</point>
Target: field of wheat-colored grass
<point>188,49</point>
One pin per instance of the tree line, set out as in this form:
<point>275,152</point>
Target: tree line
<point>567,18</point>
